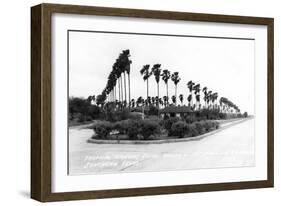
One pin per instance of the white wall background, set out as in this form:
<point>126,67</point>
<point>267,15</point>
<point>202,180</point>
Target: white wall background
<point>15,102</point>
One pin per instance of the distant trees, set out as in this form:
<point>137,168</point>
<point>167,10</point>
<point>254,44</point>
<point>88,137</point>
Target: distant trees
<point>82,109</point>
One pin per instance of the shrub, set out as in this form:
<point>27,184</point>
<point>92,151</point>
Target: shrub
<point>94,111</point>
<point>113,115</point>
<point>102,129</point>
<point>135,115</point>
<point>207,125</point>
<point>190,118</point>
<point>210,125</point>
<point>88,118</point>
<point>192,130</point>
<point>179,129</point>
<point>216,125</point>
<point>152,110</point>
<point>199,127</point>
<point>81,117</point>
<point>80,106</point>
<point>121,126</point>
<point>245,114</point>
<point>222,116</point>
<point>132,129</point>
<point>167,124</point>
<point>148,128</point>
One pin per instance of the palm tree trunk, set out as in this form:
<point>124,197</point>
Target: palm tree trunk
<point>119,89</point>
<point>167,90</point>
<point>157,94</point>
<point>121,81</point>
<point>114,93</point>
<point>147,89</point>
<point>191,99</point>
<point>125,87</point>
<point>176,94</point>
<point>129,82</point>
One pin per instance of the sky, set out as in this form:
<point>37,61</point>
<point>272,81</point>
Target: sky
<point>225,66</point>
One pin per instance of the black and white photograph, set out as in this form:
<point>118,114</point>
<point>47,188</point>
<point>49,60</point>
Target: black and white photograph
<point>146,102</point>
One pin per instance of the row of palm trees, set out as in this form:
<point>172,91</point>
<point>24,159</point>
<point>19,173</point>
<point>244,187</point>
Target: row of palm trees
<point>117,81</point>
<point>116,88</point>
<point>157,73</point>
<point>228,106</point>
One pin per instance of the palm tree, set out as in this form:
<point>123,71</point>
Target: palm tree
<point>124,61</point>
<point>166,75</point>
<point>94,98</point>
<point>146,74</point>
<point>214,99</point>
<point>132,103</point>
<point>205,91</point>
<point>156,71</point>
<point>221,104</point>
<point>181,98</point>
<point>176,79</point>
<point>161,102</point>
<point>128,63</point>
<point>89,99</point>
<point>189,98</point>
<point>148,100</point>
<point>153,100</point>
<point>174,99</point>
<point>196,89</point>
<point>166,101</point>
<point>139,101</point>
<point>190,85</point>
<point>209,96</point>
<point>118,72</point>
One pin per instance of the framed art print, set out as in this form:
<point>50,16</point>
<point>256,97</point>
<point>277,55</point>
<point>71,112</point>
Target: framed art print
<point>130,102</point>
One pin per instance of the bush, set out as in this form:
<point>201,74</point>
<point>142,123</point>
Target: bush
<point>94,111</point>
<point>179,129</point>
<point>132,129</point>
<point>245,114</point>
<point>152,110</point>
<point>192,130</point>
<point>102,129</point>
<point>190,118</point>
<point>148,128</point>
<point>167,124</point>
<point>83,118</point>
<point>83,109</point>
<point>121,126</point>
<point>125,114</point>
<point>80,117</point>
<point>207,125</point>
<point>135,116</point>
<point>216,125</point>
<point>210,125</point>
<point>199,127</point>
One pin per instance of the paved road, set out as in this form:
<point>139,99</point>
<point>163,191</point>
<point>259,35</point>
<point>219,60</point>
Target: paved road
<point>232,147</point>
